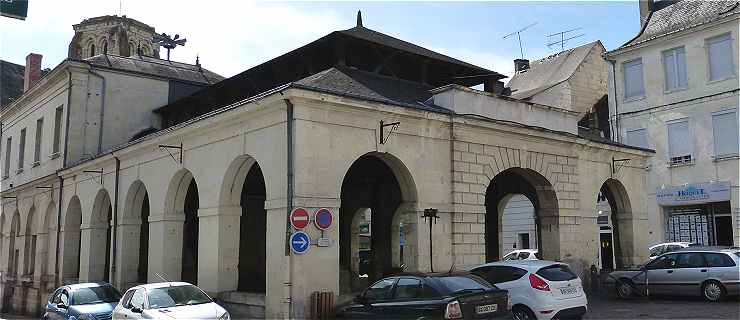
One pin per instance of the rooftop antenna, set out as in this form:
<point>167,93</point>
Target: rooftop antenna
<point>563,40</point>
<point>519,36</point>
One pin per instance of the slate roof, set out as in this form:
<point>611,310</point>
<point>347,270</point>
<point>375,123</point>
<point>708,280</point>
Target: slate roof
<point>351,82</point>
<point>548,72</point>
<point>11,82</point>
<point>682,15</point>
<point>157,67</point>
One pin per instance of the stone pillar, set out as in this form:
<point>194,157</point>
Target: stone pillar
<point>165,246</point>
<point>70,255</point>
<point>276,290</point>
<point>92,253</point>
<point>218,248</point>
<point>127,262</point>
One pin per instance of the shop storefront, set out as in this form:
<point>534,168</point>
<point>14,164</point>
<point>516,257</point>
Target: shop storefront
<point>698,213</point>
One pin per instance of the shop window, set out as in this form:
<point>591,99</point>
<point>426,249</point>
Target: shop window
<point>680,144</point>
<point>674,65</point>
<point>724,126</point>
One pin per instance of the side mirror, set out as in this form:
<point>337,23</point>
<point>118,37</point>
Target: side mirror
<point>61,305</point>
<point>136,310</point>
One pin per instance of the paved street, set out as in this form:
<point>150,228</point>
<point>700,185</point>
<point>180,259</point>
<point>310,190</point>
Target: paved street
<point>661,308</point>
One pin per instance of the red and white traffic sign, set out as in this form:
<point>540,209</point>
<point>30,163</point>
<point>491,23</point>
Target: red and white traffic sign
<point>323,218</point>
<point>299,218</point>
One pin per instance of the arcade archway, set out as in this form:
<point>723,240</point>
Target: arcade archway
<point>615,229</point>
<point>377,193</point>
<point>536,189</point>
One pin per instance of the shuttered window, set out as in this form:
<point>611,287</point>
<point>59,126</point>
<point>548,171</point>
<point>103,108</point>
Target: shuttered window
<point>22,150</point>
<point>57,130</point>
<point>39,136</point>
<point>724,126</point>
<point>680,144</point>
<point>674,65</point>
<point>720,51</point>
<point>8,146</point>
<point>633,82</point>
<point>637,138</point>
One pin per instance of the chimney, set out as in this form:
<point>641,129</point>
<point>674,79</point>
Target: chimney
<point>646,6</point>
<point>493,85</point>
<point>520,65</point>
<point>33,70</point>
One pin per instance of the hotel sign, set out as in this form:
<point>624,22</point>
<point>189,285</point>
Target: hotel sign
<point>693,194</point>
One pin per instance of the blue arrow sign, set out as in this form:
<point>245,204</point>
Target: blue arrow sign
<point>300,242</point>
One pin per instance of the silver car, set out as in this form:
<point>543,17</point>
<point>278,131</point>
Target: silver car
<point>710,272</point>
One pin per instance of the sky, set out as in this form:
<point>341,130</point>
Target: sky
<point>232,36</point>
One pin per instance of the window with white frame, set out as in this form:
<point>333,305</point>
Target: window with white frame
<point>22,150</point>
<point>680,144</point>
<point>674,65</point>
<point>8,146</point>
<point>719,50</point>
<point>39,134</point>
<point>637,138</point>
<point>57,130</point>
<point>633,82</point>
<point>724,127</point>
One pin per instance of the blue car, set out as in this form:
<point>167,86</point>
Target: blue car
<point>83,301</point>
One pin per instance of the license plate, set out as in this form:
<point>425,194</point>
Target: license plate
<point>568,291</point>
<point>486,308</point>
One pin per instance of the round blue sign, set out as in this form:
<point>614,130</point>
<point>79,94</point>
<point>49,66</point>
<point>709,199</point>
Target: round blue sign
<point>323,218</point>
<point>300,242</point>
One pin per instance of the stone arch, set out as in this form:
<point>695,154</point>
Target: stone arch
<point>29,246</point>
<point>621,218</point>
<point>103,45</point>
<point>71,241</point>
<point>382,183</point>
<point>134,236</point>
<point>182,201</point>
<point>540,193</point>
<point>13,250</point>
<point>47,238</point>
<point>89,47</point>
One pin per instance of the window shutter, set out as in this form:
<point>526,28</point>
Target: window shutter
<point>682,75</point>
<point>637,138</point>
<point>720,58</point>
<point>669,64</point>
<point>725,134</point>
<point>633,82</point>
<point>679,141</point>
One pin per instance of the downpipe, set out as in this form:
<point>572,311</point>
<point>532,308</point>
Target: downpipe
<point>288,314</point>
<point>114,232</point>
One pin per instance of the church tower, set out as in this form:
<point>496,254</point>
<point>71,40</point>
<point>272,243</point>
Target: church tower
<point>112,35</point>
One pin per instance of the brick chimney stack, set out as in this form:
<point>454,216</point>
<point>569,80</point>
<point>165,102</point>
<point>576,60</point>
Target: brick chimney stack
<point>521,65</point>
<point>33,70</point>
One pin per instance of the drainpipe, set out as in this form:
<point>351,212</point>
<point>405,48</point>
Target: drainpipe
<point>616,133</point>
<point>102,108</point>
<point>66,121</point>
<point>58,279</point>
<point>290,141</point>
<point>114,233</point>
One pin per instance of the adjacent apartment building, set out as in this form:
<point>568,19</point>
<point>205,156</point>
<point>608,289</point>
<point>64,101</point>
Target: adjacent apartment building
<point>674,88</point>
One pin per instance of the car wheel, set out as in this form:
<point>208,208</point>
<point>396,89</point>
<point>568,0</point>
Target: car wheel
<point>523,313</point>
<point>712,291</point>
<point>624,289</point>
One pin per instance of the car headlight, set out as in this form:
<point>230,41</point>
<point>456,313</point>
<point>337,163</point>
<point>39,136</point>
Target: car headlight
<point>225,316</point>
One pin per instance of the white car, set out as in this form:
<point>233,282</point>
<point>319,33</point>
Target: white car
<point>168,300</point>
<point>523,254</point>
<point>662,248</point>
<point>539,289</point>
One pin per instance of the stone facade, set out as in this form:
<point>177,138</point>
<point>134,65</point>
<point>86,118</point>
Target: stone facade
<point>112,35</point>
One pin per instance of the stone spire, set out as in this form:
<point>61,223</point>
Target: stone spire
<point>359,19</point>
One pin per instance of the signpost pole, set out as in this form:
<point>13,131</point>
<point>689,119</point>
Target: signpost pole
<point>431,216</point>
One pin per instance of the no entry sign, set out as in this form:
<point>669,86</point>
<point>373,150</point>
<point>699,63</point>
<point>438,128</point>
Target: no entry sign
<point>299,218</point>
<point>323,218</point>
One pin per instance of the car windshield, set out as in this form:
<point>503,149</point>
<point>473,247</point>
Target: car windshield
<point>557,272</point>
<point>93,295</point>
<point>460,284</point>
<point>176,296</point>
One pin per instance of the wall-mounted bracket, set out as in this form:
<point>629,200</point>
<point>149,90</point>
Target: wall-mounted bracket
<point>167,148</point>
<point>618,164</point>
<point>383,125</point>
<point>100,172</point>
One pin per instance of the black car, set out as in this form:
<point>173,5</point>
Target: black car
<point>429,296</point>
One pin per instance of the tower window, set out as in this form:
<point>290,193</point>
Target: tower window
<point>92,50</point>
<point>105,47</point>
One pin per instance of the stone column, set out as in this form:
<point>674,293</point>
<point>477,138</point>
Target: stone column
<point>165,246</point>
<point>127,262</point>
<point>92,253</point>
<point>276,290</point>
<point>218,248</point>
<point>69,254</point>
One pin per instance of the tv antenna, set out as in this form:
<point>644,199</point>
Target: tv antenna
<point>519,36</point>
<point>563,38</point>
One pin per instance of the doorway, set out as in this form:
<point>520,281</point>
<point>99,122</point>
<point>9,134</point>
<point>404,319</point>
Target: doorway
<point>606,253</point>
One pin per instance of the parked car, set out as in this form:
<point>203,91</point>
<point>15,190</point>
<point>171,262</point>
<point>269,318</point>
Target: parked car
<point>83,301</point>
<point>168,300</point>
<point>539,289</point>
<point>458,295</point>
<point>710,272</point>
<point>662,248</point>
<point>522,254</point>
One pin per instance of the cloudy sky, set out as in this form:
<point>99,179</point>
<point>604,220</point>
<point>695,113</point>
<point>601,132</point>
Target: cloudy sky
<point>231,36</point>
